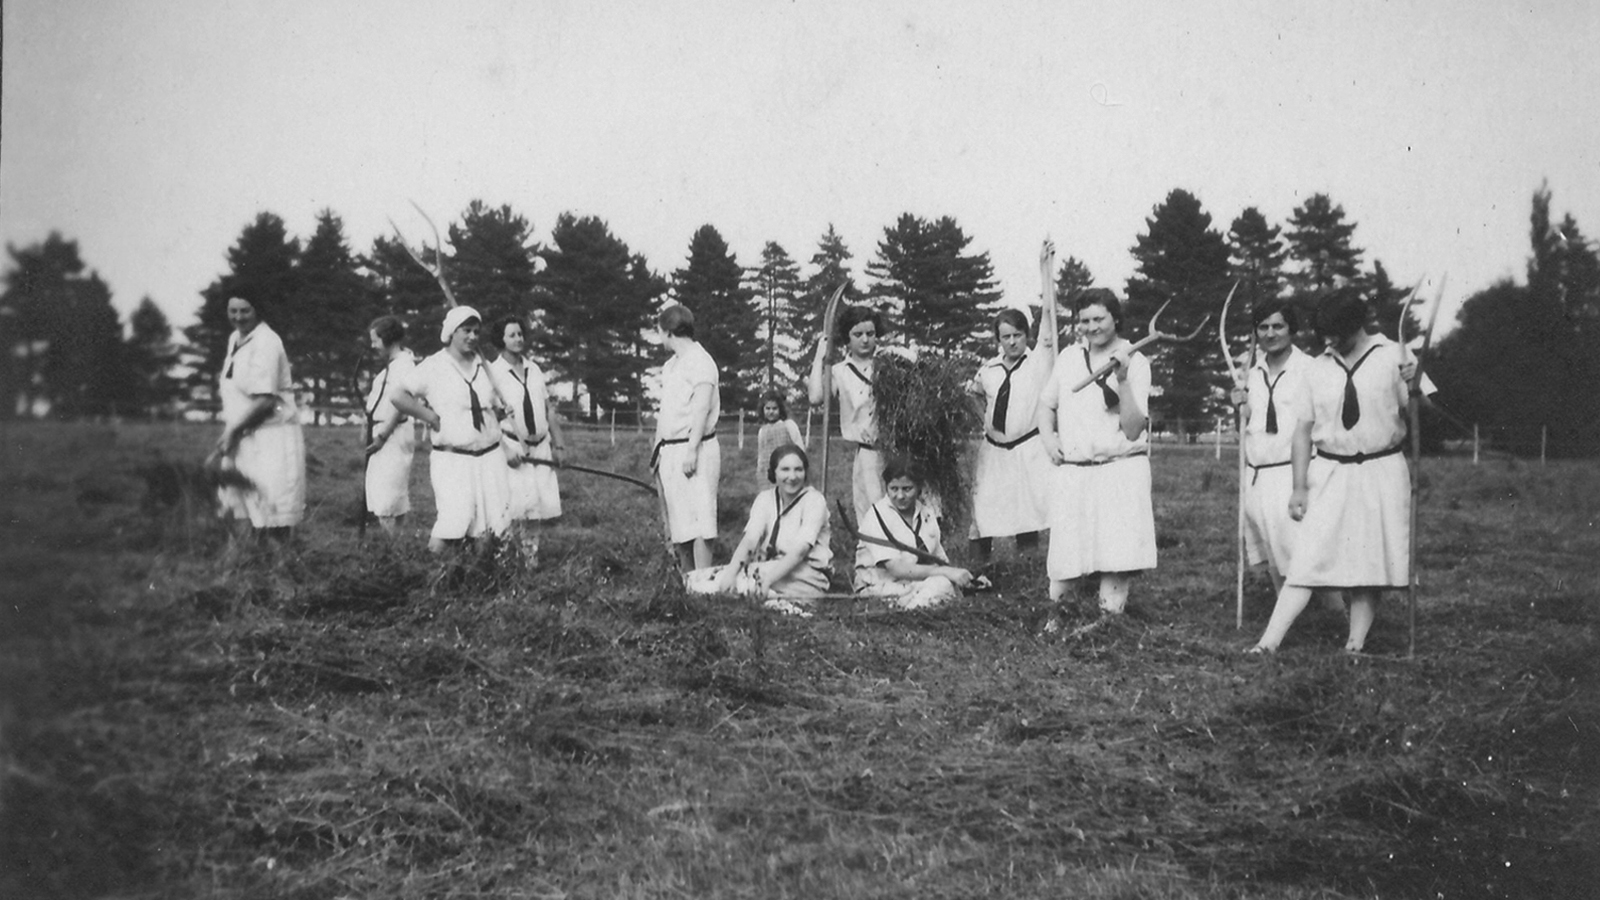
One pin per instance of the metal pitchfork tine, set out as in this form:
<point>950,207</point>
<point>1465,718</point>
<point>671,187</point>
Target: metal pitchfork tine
<point>1154,335</point>
<point>436,270</point>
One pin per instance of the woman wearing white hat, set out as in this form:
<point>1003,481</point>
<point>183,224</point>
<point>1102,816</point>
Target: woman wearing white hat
<point>452,392</point>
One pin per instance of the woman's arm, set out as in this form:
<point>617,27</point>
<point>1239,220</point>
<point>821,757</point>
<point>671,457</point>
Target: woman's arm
<point>1131,416</point>
<point>1045,345</point>
<point>814,387</point>
<point>411,405</point>
<point>910,570</point>
<point>261,409</point>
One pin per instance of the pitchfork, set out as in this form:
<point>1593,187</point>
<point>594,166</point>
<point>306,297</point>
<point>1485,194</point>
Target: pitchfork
<point>437,269</point>
<point>1151,338</point>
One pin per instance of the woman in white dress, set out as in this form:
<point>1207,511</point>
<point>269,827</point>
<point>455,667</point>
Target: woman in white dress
<point>452,393</point>
<point>788,538</point>
<point>1007,497</point>
<point>392,440</point>
<point>261,435</point>
<point>1355,525</point>
<point>860,328</point>
<point>1102,523</point>
<point>533,444</point>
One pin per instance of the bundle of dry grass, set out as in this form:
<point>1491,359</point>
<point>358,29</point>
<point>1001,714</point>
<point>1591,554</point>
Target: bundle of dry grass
<point>925,411</point>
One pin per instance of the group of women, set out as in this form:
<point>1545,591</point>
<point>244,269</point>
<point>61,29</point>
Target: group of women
<point>1066,449</point>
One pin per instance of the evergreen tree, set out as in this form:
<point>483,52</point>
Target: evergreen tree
<point>1319,242</point>
<point>63,334</point>
<point>1181,259</point>
<point>324,332</point>
<point>1388,303</point>
<point>1525,358</point>
<point>776,289</point>
<point>397,286</point>
<point>491,265</point>
<point>943,295</point>
<point>594,304</point>
<point>1072,278</point>
<point>151,355</point>
<point>261,269</point>
<point>1257,254</point>
<point>712,286</point>
<point>829,268</point>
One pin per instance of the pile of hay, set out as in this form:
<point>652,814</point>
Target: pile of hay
<point>926,412</point>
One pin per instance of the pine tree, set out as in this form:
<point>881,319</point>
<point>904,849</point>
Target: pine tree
<point>594,304</point>
<point>776,289</point>
<point>151,355</point>
<point>942,295</point>
<point>397,286</point>
<point>712,287</point>
<point>1319,242</point>
<point>1388,304</point>
<point>262,268</point>
<point>491,264</point>
<point>829,269</point>
<point>325,330</point>
<point>1181,259</point>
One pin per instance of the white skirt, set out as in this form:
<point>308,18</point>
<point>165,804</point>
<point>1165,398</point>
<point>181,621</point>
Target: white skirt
<point>1357,528</point>
<point>1101,519</point>
<point>471,494</point>
<point>273,457</point>
<point>535,490</point>
<point>919,593</point>
<point>1269,532</point>
<point>1012,493</point>
<point>389,473</point>
<point>866,481</point>
<point>691,503</point>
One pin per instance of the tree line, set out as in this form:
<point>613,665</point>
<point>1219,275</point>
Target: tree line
<point>590,298</point>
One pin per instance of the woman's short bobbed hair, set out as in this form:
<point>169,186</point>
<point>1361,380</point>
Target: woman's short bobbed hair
<point>390,330</point>
<point>900,466</point>
<point>778,455</point>
<point>1102,297</point>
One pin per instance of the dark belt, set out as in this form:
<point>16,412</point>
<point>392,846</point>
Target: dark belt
<point>864,446</point>
<point>655,452</point>
<point>1360,458</point>
<point>462,451</point>
<point>1101,462</point>
<point>1008,445</point>
<point>1255,470</point>
<point>523,440</point>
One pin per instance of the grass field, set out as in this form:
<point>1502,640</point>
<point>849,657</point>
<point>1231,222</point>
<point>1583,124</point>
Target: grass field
<point>186,718</point>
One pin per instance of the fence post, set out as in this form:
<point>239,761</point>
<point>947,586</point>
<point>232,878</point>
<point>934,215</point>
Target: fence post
<point>741,429</point>
<point>613,426</point>
<point>1474,443</point>
<point>1544,441</point>
<point>1219,440</point>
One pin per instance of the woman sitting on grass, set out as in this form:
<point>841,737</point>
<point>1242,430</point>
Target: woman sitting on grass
<point>905,523</point>
<point>789,534</point>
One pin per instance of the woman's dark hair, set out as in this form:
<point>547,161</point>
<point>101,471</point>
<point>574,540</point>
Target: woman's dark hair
<point>774,397</point>
<point>851,316</point>
<point>1341,313</point>
<point>1102,297</point>
<point>1014,317</point>
<point>898,467</point>
<point>497,333</point>
<point>778,455</point>
<point>1275,307</point>
<point>389,329</point>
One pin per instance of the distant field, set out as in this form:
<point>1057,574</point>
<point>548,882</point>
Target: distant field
<point>183,718</point>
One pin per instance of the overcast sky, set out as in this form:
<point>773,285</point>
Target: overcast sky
<point>152,132</point>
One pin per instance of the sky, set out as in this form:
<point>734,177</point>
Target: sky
<point>152,131</point>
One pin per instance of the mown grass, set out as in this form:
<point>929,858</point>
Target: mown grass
<point>186,717</point>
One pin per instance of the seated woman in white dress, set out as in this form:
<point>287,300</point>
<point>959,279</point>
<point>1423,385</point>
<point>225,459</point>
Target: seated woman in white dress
<point>909,527</point>
<point>788,536</point>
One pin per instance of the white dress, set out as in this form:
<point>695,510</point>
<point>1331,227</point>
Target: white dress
<point>1269,532</point>
<point>872,578</point>
<point>1101,518</point>
<point>1010,496</point>
<point>389,469</point>
<point>1357,528</point>
<point>691,503</point>
<point>858,423</point>
<point>801,526</point>
<point>535,490</point>
<point>273,456</point>
<point>467,468</point>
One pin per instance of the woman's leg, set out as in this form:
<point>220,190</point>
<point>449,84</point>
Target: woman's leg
<point>1292,601</point>
<point>1363,611</point>
<point>1114,592</point>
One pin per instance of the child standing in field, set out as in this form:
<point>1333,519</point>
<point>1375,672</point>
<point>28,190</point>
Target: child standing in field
<point>777,429</point>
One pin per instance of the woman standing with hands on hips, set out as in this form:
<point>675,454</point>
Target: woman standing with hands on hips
<point>392,441</point>
<point>261,435</point>
<point>1101,521</point>
<point>452,393</point>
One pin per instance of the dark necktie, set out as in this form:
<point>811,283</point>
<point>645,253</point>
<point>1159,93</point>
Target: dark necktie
<point>1272,408</point>
<point>1106,390</point>
<point>1002,397</point>
<point>1350,409</point>
<point>477,407</point>
<point>527,408</point>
